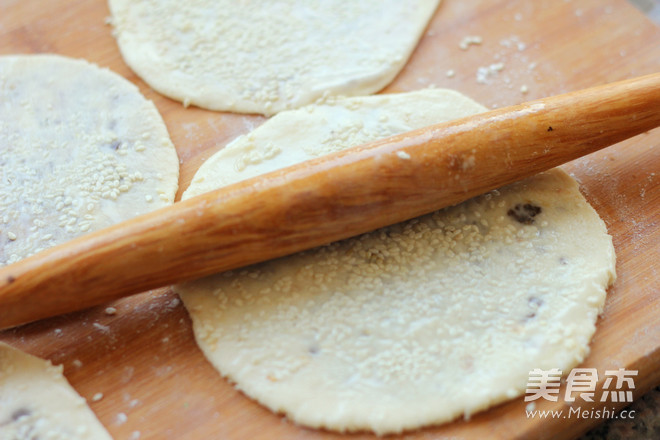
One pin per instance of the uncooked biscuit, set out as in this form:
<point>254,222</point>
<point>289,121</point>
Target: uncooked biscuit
<point>37,402</point>
<point>82,149</point>
<point>267,56</point>
<point>299,135</point>
<point>413,324</point>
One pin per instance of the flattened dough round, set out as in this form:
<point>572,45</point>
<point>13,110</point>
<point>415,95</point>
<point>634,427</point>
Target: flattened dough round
<point>82,149</point>
<point>267,56</point>
<point>413,324</point>
<point>303,134</point>
<point>37,402</point>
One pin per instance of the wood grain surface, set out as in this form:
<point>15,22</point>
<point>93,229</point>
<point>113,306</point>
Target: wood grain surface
<point>144,359</point>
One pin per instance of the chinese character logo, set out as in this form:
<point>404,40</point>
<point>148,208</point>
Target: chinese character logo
<point>622,376</point>
<point>545,384</point>
<point>583,381</point>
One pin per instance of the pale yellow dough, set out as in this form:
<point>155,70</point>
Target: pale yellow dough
<point>414,324</point>
<point>82,149</point>
<point>37,402</point>
<point>269,55</point>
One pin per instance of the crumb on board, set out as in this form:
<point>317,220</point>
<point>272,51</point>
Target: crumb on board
<point>486,72</point>
<point>103,328</point>
<point>513,42</point>
<point>470,40</point>
<point>121,418</point>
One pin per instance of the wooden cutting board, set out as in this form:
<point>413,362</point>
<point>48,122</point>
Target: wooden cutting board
<point>156,383</point>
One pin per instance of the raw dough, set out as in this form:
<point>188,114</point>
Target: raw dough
<point>414,324</point>
<point>303,134</point>
<point>36,402</point>
<point>267,56</point>
<point>82,149</point>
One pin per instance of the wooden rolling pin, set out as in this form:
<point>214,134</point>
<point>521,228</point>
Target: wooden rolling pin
<point>326,199</point>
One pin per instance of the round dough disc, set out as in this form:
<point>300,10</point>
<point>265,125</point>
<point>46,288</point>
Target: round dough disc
<point>267,56</point>
<point>82,149</point>
<point>416,323</point>
<point>37,402</point>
